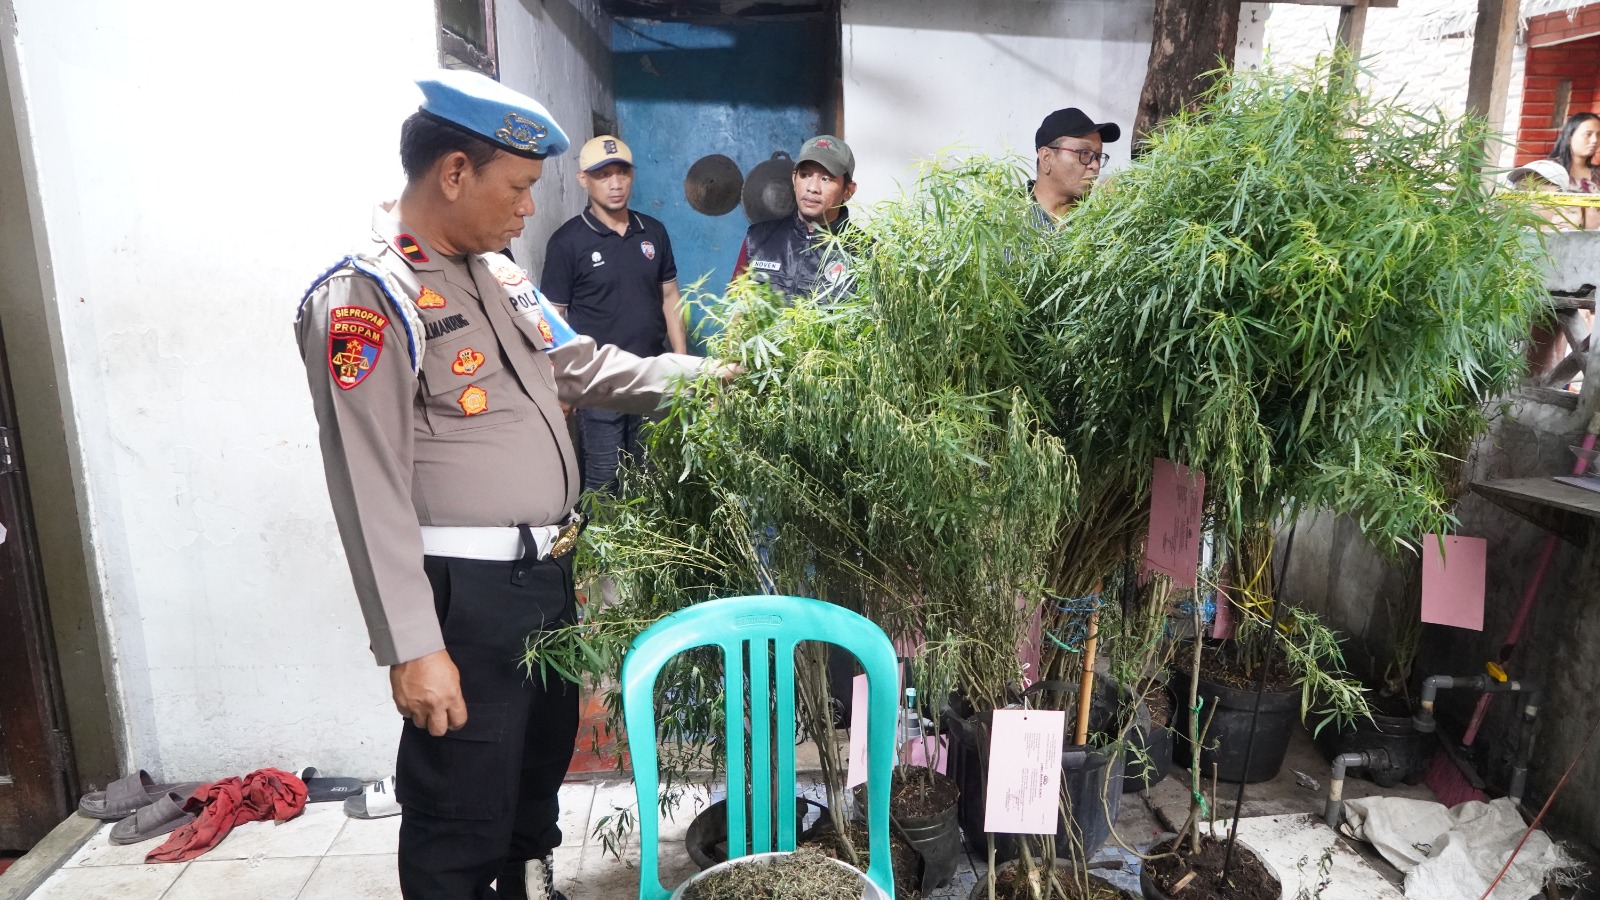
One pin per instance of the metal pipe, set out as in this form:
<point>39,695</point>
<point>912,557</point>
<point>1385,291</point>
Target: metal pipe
<point>1431,686</point>
<point>1424,722</point>
<point>1333,807</point>
<point>1519,764</point>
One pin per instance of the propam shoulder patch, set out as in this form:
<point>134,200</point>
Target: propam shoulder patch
<point>355,341</point>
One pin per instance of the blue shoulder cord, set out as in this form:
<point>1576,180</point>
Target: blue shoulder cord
<point>364,268</point>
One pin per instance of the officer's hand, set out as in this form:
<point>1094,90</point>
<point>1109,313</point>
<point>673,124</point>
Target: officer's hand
<point>727,371</point>
<point>427,690</point>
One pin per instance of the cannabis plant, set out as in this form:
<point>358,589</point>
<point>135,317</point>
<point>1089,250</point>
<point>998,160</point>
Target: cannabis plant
<point>882,451</point>
<point>1302,290</point>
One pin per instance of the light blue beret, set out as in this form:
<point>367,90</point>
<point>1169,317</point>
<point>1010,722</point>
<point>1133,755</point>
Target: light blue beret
<point>488,109</point>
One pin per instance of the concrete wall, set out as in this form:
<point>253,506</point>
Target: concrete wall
<point>1335,572</point>
<point>558,51</point>
<point>197,165</point>
<point>923,77</point>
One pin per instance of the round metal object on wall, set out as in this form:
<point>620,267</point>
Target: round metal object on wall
<point>768,190</point>
<point>713,185</point>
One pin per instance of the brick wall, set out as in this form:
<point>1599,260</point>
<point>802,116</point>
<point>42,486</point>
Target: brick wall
<point>1554,28</point>
<point>1559,50</point>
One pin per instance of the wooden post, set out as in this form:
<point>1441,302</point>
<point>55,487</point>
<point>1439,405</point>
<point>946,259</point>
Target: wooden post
<point>1191,37</point>
<point>1490,76</point>
<point>1353,27</point>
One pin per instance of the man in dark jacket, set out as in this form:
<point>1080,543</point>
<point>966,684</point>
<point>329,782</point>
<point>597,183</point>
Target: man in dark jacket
<point>792,254</point>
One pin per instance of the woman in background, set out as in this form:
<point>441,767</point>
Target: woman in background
<point>1568,169</point>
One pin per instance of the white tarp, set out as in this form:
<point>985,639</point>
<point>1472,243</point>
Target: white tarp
<point>1455,853</point>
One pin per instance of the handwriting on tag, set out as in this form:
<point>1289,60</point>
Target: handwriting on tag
<point>1176,498</point>
<point>1024,771</point>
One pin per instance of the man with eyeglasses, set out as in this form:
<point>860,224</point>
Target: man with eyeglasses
<point>1069,160</point>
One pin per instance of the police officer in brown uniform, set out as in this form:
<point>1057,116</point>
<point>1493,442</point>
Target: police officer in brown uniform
<point>437,371</point>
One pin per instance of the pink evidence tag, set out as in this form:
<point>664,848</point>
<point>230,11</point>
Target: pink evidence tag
<point>1176,498</point>
<point>915,752</point>
<point>1453,580</point>
<point>857,771</point>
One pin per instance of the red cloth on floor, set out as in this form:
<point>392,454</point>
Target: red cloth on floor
<point>263,794</point>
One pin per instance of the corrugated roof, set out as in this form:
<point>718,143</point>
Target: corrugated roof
<point>1459,18</point>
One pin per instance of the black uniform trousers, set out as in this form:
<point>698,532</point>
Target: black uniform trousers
<point>479,802</point>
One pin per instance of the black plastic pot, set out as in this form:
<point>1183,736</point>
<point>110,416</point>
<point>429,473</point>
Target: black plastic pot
<point>1409,751</point>
<point>707,836</point>
<point>1151,891</point>
<point>937,839</point>
<point>1091,777</point>
<point>1232,713</point>
<point>980,890</point>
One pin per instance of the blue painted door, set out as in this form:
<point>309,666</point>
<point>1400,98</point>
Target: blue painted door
<point>688,90</point>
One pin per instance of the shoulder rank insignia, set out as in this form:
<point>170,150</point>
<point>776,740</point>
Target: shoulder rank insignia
<point>430,299</point>
<point>468,361</point>
<point>473,400</point>
<point>509,274</point>
<point>355,341</point>
<point>408,247</point>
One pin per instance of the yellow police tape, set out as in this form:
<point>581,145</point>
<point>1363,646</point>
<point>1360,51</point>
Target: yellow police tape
<point>1551,198</point>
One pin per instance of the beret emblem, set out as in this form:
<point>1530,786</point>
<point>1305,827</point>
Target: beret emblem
<point>521,132</point>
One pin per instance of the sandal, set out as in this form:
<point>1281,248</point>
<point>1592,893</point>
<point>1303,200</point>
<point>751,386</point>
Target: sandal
<point>129,794</point>
<point>164,815</point>
<point>327,788</point>
<point>376,802</point>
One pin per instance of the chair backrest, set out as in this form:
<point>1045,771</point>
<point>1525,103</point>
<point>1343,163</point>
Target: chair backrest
<point>763,630</point>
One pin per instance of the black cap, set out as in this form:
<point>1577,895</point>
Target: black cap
<point>1071,122</point>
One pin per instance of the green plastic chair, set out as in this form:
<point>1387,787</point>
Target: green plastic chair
<point>770,627</point>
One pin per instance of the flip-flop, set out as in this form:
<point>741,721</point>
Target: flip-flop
<point>376,802</point>
<point>163,815</point>
<point>326,789</point>
<point>127,795</point>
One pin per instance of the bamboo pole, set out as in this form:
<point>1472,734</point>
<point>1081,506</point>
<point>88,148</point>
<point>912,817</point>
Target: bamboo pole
<point>1080,734</point>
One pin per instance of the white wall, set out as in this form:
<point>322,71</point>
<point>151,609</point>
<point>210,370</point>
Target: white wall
<point>559,51</point>
<point>199,164</point>
<point>925,76</point>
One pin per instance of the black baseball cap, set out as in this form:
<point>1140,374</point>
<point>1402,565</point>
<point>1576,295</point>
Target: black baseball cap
<point>1072,122</point>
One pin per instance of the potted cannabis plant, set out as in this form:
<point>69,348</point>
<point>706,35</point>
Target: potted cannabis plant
<point>1300,290</point>
<point>881,451</point>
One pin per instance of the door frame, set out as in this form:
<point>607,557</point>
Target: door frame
<point>37,775</point>
<point>75,624</point>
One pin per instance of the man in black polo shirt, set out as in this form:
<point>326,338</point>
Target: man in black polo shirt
<point>611,271</point>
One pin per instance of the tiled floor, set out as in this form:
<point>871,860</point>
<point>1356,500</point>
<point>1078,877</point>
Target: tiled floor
<point>323,855</point>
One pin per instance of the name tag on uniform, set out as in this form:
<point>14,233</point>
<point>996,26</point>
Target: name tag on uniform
<point>766,265</point>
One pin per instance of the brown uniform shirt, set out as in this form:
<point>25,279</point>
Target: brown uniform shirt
<point>474,435</point>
